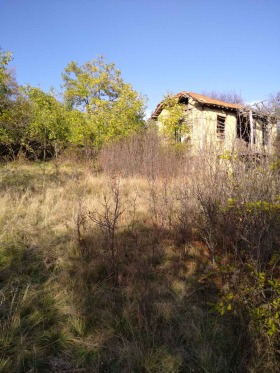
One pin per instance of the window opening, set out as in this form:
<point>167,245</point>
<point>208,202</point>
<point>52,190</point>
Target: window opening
<point>221,127</point>
<point>184,100</point>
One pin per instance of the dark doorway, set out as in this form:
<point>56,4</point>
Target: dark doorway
<point>243,128</point>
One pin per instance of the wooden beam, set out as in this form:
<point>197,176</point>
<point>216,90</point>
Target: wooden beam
<point>251,128</point>
<point>202,129</point>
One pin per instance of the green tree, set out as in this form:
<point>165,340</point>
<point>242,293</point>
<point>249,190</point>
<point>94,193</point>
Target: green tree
<point>173,126</point>
<point>13,109</point>
<point>48,130</point>
<point>5,79</point>
<point>79,129</point>
<point>112,108</point>
<point>14,121</point>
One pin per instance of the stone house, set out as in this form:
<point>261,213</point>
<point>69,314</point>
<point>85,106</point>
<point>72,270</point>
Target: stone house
<point>224,125</point>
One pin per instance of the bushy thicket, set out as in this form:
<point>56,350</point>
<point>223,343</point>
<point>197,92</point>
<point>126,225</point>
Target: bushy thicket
<point>232,205</point>
<point>96,106</point>
<point>168,262</point>
<point>144,258</point>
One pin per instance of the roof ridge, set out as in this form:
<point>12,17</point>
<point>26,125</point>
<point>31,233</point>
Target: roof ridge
<point>200,99</point>
<point>210,100</point>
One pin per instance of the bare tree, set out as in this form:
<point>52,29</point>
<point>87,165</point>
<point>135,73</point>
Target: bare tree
<point>108,221</point>
<point>230,96</point>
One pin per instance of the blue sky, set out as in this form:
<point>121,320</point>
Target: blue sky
<point>159,46</point>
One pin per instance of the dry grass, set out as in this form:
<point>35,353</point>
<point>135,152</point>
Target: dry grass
<point>91,284</point>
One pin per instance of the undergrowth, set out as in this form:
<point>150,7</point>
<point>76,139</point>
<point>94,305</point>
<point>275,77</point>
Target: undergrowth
<point>147,272</point>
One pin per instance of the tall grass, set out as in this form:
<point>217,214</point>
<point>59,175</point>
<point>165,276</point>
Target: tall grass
<point>136,265</point>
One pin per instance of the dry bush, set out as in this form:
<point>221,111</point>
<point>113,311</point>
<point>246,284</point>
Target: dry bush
<point>234,204</point>
<point>237,215</point>
<point>122,266</point>
<point>141,155</point>
<point>152,297</point>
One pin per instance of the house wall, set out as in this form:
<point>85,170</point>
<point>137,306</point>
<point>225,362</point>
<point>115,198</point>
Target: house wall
<point>271,136</point>
<point>202,124</point>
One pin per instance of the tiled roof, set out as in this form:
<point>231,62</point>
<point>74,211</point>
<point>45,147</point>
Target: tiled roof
<point>210,101</point>
<point>202,100</point>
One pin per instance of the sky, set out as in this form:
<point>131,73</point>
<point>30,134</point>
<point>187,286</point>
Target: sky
<point>159,46</point>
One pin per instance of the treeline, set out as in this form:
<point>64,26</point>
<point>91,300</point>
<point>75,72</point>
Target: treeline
<point>96,106</point>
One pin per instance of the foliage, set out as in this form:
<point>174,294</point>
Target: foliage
<point>254,297</point>
<point>48,125</point>
<point>255,225</point>
<point>5,78</point>
<point>113,108</point>
<point>172,119</point>
<point>14,121</point>
<point>80,132</point>
<point>98,108</point>
<point>121,281</point>
<point>14,110</point>
<point>91,86</point>
<point>31,121</point>
<point>253,292</point>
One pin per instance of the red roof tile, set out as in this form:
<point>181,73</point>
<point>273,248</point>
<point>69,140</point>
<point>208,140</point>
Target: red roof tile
<point>202,100</point>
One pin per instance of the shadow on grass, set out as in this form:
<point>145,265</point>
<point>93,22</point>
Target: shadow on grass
<point>156,317</point>
<point>32,333</point>
<point>19,178</point>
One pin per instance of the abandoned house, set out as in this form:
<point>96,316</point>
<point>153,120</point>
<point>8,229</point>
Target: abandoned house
<point>222,124</point>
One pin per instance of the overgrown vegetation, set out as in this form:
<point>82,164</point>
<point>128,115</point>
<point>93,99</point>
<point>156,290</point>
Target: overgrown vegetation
<point>96,107</point>
<point>125,253</point>
<point>169,265</point>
